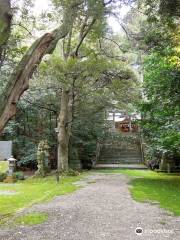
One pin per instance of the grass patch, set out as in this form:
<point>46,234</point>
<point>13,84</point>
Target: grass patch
<point>3,166</point>
<point>31,219</point>
<point>119,170</point>
<point>155,187</point>
<point>33,190</point>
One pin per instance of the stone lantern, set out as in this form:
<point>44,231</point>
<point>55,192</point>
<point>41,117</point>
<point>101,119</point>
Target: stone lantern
<point>12,164</point>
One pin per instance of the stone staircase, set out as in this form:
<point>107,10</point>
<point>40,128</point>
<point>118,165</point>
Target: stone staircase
<point>121,149</point>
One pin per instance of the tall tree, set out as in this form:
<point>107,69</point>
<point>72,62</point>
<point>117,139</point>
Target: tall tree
<point>5,26</point>
<point>160,108</point>
<point>90,14</point>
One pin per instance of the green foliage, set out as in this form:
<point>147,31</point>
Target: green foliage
<point>31,219</point>
<point>160,107</point>
<point>166,8</point>
<point>161,111</point>
<point>96,82</point>
<point>171,8</point>
<point>2,176</point>
<point>28,155</point>
<point>19,175</point>
<point>35,120</point>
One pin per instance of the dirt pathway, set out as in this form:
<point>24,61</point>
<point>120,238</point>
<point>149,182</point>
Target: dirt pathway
<point>102,210</point>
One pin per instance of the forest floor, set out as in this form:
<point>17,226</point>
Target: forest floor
<point>102,208</point>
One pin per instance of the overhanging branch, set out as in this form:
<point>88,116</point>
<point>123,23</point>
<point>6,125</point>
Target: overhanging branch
<point>19,80</point>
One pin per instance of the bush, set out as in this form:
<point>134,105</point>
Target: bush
<point>2,176</point>
<point>19,175</point>
<point>70,172</point>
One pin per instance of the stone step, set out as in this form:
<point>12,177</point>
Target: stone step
<point>120,150</point>
<point>120,162</point>
<point>120,159</point>
<point>133,148</point>
<point>119,155</point>
<point>121,166</point>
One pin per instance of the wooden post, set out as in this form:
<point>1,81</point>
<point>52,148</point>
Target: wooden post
<point>114,116</point>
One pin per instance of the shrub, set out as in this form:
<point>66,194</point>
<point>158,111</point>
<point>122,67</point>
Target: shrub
<point>71,172</point>
<point>19,175</point>
<point>2,176</point>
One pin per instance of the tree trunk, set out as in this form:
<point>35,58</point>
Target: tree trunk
<point>5,25</point>
<point>64,128</point>
<point>63,140</point>
<point>19,80</point>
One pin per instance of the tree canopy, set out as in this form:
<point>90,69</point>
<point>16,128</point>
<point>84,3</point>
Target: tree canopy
<point>64,68</point>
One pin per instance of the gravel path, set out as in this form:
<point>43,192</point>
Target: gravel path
<point>102,210</point>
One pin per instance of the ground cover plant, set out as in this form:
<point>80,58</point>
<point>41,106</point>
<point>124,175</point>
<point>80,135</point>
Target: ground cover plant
<point>23,194</point>
<point>31,218</point>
